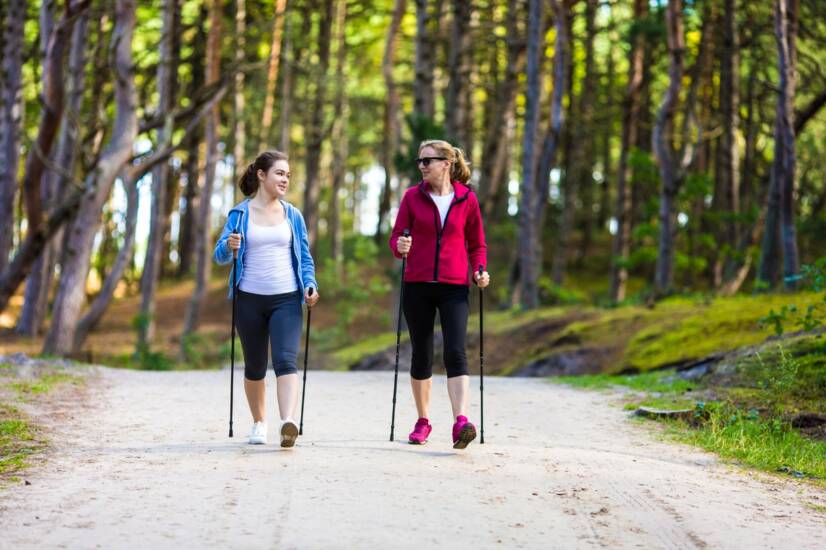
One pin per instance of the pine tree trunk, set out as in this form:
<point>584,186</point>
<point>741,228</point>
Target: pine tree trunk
<point>528,234</point>
<point>203,248</point>
<point>272,73</point>
<point>662,143</point>
<point>160,175</point>
<point>390,143</point>
<point>239,131</point>
<point>460,61</point>
<point>339,134</point>
<point>11,118</point>
<point>630,128</point>
<point>423,102</point>
<point>312,189</point>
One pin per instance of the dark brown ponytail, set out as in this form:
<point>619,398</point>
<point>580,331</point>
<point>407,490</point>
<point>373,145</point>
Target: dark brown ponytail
<point>248,182</point>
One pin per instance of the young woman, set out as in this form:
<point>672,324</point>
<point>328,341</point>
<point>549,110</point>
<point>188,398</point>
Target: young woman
<point>446,242</point>
<point>275,271</point>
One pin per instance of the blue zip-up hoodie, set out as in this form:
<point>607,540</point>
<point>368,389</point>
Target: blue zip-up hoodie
<point>237,222</point>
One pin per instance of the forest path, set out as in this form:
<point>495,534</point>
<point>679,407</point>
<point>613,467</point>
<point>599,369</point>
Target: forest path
<point>148,464</point>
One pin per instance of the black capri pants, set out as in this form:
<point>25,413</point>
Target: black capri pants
<point>274,319</point>
<point>421,300</point>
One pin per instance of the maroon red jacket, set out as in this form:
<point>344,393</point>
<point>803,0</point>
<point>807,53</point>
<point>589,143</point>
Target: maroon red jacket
<point>440,254</point>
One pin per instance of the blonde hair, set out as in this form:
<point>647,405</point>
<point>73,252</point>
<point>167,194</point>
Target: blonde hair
<point>459,167</point>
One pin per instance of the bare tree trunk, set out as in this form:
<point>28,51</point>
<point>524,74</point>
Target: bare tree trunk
<point>671,168</point>
<point>287,88</point>
<point>423,102</point>
<point>566,224</point>
<point>583,183</point>
<point>495,150</point>
<point>339,133</point>
<point>11,118</point>
<point>71,291</point>
<point>630,127</point>
<point>784,161</point>
<point>728,152</point>
<point>460,65</point>
<point>202,247</point>
<point>239,124</point>
<point>272,73</point>
<point>528,226</point>
<point>54,184</point>
<point>160,175</point>
<point>92,317</point>
<point>53,102</point>
<point>312,189</point>
<point>188,236</point>
<point>390,143</point>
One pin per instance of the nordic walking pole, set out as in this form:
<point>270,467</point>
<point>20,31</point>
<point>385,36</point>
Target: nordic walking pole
<point>232,341</point>
<point>398,339</point>
<point>481,361</point>
<point>306,354</point>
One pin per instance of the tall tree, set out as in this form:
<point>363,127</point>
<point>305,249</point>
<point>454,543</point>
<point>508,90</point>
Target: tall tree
<point>71,290</point>
<point>55,181</point>
<point>780,234</point>
<point>202,248</point>
<point>728,150</point>
<point>390,143</point>
<point>458,103</point>
<point>339,132</point>
<point>672,162</point>
<point>312,189</point>
<point>630,127</point>
<point>553,136</point>
<point>495,150</point>
<point>160,175</point>
<point>272,72</point>
<point>423,100</point>
<point>239,103</point>
<point>11,117</point>
<point>528,226</point>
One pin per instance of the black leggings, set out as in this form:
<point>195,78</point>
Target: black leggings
<point>274,319</point>
<point>421,300</point>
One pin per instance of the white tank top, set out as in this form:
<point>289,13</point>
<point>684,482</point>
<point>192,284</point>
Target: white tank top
<point>443,204</point>
<point>268,265</point>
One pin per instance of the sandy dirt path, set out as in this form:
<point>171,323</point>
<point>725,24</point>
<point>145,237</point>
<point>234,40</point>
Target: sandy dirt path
<point>150,466</point>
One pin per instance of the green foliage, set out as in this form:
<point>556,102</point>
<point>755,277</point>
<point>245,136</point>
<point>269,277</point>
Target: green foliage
<point>656,381</point>
<point>808,316</point>
<point>353,287</point>
<point>43,384</point>
<point>551,293</point>
<point>419,128</point>
<point>144,356</point>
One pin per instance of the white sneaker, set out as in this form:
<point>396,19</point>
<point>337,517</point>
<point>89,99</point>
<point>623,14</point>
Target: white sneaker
<point>258,434</point>
<point>289,433</point>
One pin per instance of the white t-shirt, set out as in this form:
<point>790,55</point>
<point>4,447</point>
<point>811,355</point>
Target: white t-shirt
<point>443,204</point>
<point>268,263</point>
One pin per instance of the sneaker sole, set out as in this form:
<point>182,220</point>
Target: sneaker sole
<point>258,441</point>
<point>467,435</point>
<point>289,433</point>
<point>416,442</point>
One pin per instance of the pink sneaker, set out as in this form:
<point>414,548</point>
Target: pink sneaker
<point>420,432</point>
<point>463,432</point>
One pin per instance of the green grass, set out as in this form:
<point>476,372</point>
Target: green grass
<point>693,329</point>
<point>43,384</point>
<point>769,444</point>
<point>349,355</point>
<point>654,382</point>
<point>18,441</point>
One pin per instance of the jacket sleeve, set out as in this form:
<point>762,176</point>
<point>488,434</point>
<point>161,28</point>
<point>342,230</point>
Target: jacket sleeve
<point>307,264</point>
<point>223,254</point>
<point>475,235</point>
<point>404,220</point>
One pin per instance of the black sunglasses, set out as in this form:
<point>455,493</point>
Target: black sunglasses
<point>425,161</point>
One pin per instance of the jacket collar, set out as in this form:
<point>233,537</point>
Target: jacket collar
<point>461,190</point>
